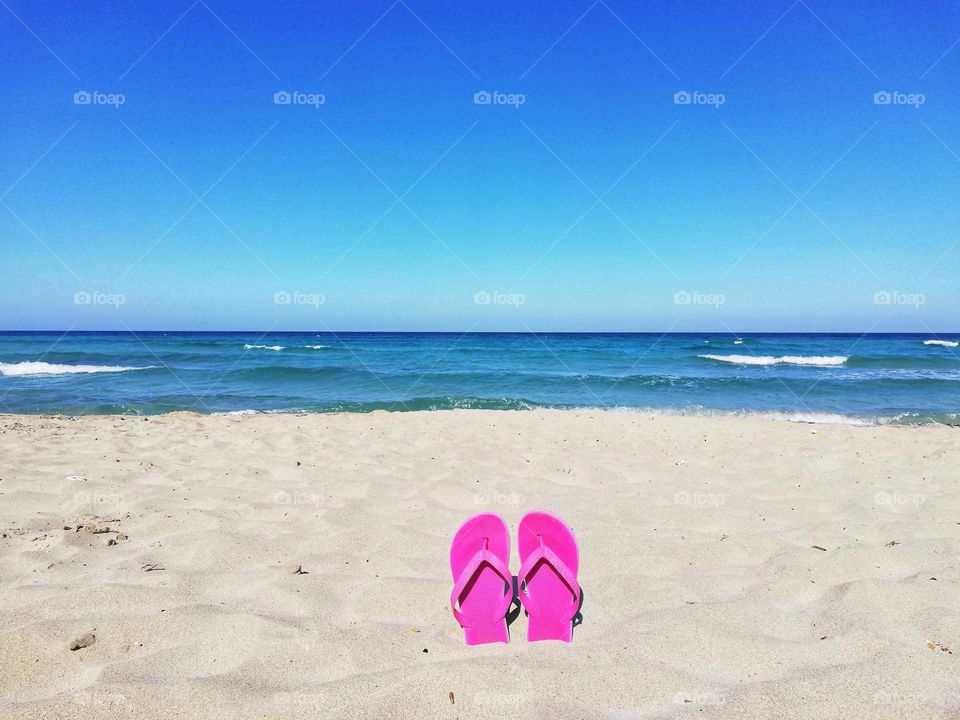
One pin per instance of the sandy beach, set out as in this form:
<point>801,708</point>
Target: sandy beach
<point>732,568</point>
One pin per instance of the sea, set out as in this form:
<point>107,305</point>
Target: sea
<point>847,378</point>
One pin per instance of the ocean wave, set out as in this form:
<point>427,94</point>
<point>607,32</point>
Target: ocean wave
<point>824,360</point>
<point>442,403</point>
<point>824,418</point>
<point>44,368</point>
<point>264,347</point>
<point>317,347</point>
<point>918,418</point>
<point>292,374</point>
<point>942,343</point>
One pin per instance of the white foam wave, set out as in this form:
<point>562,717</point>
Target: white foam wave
<point>264,347</point>
<point>43,368</point>
<point>738,342</point>
<point>316,347</point>
<point>824,418</point>
<point>942,343</point>
<point>818,418</point>
<point>824,360</point>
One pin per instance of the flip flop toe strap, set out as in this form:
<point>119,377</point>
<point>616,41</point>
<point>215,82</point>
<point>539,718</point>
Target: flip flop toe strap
<point>483,556</point>
<point>545,553</point>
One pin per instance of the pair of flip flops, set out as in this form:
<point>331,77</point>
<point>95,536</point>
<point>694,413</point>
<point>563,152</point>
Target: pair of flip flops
<point>547,586</point>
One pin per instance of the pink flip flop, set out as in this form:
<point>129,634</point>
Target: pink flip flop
<point>548,583</point>
<point>483,585</point>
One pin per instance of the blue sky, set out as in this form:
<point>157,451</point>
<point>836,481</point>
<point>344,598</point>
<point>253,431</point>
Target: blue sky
<point>783,197</point>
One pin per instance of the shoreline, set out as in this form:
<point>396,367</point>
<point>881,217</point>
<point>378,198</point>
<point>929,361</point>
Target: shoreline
<point>799,418</point>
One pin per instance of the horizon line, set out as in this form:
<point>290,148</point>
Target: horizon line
<point>128,331</point>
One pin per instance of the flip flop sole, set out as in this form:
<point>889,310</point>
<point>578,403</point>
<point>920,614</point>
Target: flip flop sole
<point>481,599</point>
<point>553,595</point>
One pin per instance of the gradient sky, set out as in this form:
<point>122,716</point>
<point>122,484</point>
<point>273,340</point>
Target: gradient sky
<point>397,200</point>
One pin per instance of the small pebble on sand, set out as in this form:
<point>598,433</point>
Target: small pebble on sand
<point>83,641</point>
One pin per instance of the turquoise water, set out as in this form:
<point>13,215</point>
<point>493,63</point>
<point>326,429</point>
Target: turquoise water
<point>899,378</point>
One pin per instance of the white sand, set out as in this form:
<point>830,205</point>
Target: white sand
<point>704,596</point>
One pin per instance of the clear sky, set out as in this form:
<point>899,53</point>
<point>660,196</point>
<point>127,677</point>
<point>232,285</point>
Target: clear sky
<point>579,193</point>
